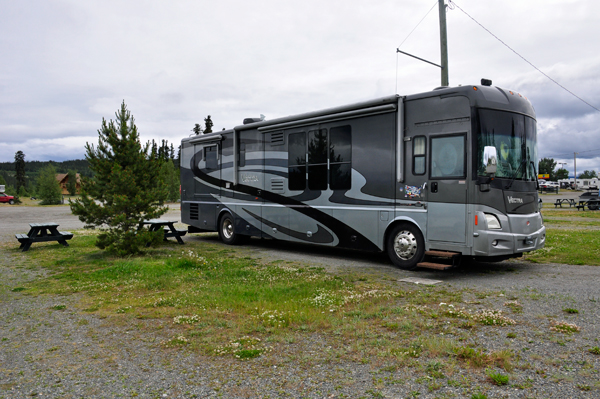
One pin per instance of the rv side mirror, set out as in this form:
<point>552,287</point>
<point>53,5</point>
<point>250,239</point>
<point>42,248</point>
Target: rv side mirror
<point>490,157</point>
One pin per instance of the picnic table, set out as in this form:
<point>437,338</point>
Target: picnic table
<point>169,228</point>
<point>592,204</point>
<point>560,201</point>
<point>43,232</point>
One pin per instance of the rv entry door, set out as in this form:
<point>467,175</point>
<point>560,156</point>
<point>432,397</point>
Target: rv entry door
<point>447,189</point>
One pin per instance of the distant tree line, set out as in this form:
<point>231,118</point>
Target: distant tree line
<point>547,166</point>
<point>24,178</point>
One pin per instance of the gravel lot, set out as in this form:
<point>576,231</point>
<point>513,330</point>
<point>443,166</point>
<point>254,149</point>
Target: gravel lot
<point>70,354</point>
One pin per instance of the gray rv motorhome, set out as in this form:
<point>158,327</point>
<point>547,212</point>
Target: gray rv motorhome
<point>446,173</point>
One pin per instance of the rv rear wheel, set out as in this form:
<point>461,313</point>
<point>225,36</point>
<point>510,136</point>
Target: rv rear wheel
<point>226,231</point>
<point>405,246</point>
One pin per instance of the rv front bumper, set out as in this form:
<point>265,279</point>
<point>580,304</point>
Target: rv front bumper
<point>498,243</point>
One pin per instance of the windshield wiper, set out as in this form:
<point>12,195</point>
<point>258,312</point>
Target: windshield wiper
<point>509,185</point>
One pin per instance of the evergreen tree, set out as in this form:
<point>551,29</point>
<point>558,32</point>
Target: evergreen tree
<point>48,188</point>
<point>20,169</point>
<point>208,125</point>
<point>125,189</point>
<point>197,129</point>
<point>72,182</point>
<point>170,179</point>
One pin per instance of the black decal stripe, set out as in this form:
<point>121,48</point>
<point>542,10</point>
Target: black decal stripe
<point>320,237</point>
<point>338,197</point>
<point>347,236</point>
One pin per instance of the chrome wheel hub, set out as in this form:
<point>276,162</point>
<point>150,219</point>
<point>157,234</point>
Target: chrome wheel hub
<point>227,229</point>
<point>405,245</point>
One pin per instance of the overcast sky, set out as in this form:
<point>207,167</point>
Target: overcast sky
<point>65,65</point>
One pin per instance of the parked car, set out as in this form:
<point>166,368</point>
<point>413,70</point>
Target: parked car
<point>589,195</point>
<point>7,198</point>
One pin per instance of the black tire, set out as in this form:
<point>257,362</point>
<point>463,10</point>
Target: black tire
<point>12,202</point>
<point>405,246</point>
<point>226,231</point>
<point>593,207</point>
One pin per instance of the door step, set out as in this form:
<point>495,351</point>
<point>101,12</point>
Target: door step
<point>442,254</point>
<point>436,266</point>
<point>449,259</point>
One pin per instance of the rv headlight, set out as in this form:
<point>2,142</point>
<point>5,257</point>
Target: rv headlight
<point>492,221</point>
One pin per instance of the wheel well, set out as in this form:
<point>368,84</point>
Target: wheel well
<point>393,225</point>
<point>223,212</point>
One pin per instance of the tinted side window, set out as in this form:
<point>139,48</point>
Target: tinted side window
<point>340,158</point>
<point>297,161</point>
<point>419,150</point>
<point>210,155</point>
<point>448,157</point>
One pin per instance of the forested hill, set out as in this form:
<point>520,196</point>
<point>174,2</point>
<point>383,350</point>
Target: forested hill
<point>81,166</point>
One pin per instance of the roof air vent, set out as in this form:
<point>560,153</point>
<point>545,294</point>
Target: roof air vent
<point>251,120</point>
<point>486,82</point>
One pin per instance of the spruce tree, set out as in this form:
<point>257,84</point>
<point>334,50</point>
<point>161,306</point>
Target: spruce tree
<point>208,125</point>
<point>170,179</point>
<point>125,189</point>
<point>48,188</point>
<point>72,182</point>
<point>20,169</point>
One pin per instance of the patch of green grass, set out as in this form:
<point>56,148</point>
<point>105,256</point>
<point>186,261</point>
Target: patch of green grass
<point>219,301</point>
<point>559,247</point>
<point>571,310</point>
<point>497,378</point>
<point>595,350</point>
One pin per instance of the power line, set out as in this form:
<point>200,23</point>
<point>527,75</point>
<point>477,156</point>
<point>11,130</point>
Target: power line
<point>411,32</point>
<point>524,59</point>
<point>434,4</point>
<point>570,153</point>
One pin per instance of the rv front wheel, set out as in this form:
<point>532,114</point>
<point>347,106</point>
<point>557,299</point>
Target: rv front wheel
<point>226,231</point>
<point>405,246</point>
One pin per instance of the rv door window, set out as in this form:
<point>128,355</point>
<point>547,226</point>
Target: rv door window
<point>448,157</point>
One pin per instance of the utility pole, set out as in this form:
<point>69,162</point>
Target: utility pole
<point>443,42</point>
<point>575,167</point>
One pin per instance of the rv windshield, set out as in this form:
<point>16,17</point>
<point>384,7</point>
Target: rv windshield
<point>514,137</point>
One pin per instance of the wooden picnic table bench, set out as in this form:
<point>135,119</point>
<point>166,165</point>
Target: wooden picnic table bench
<point>155,224</point>
<point>560,201</point>
<point>43,232</point>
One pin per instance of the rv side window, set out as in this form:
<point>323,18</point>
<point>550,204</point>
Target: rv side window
<point>448,157</point>
<point>317,159</point>
<point>297,161</point>
<point>210,155</point>
<point>340,158</point>
<point>419,147</point>
<point>242,155</point>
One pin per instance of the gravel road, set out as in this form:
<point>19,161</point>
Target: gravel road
<point>70,354</point>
